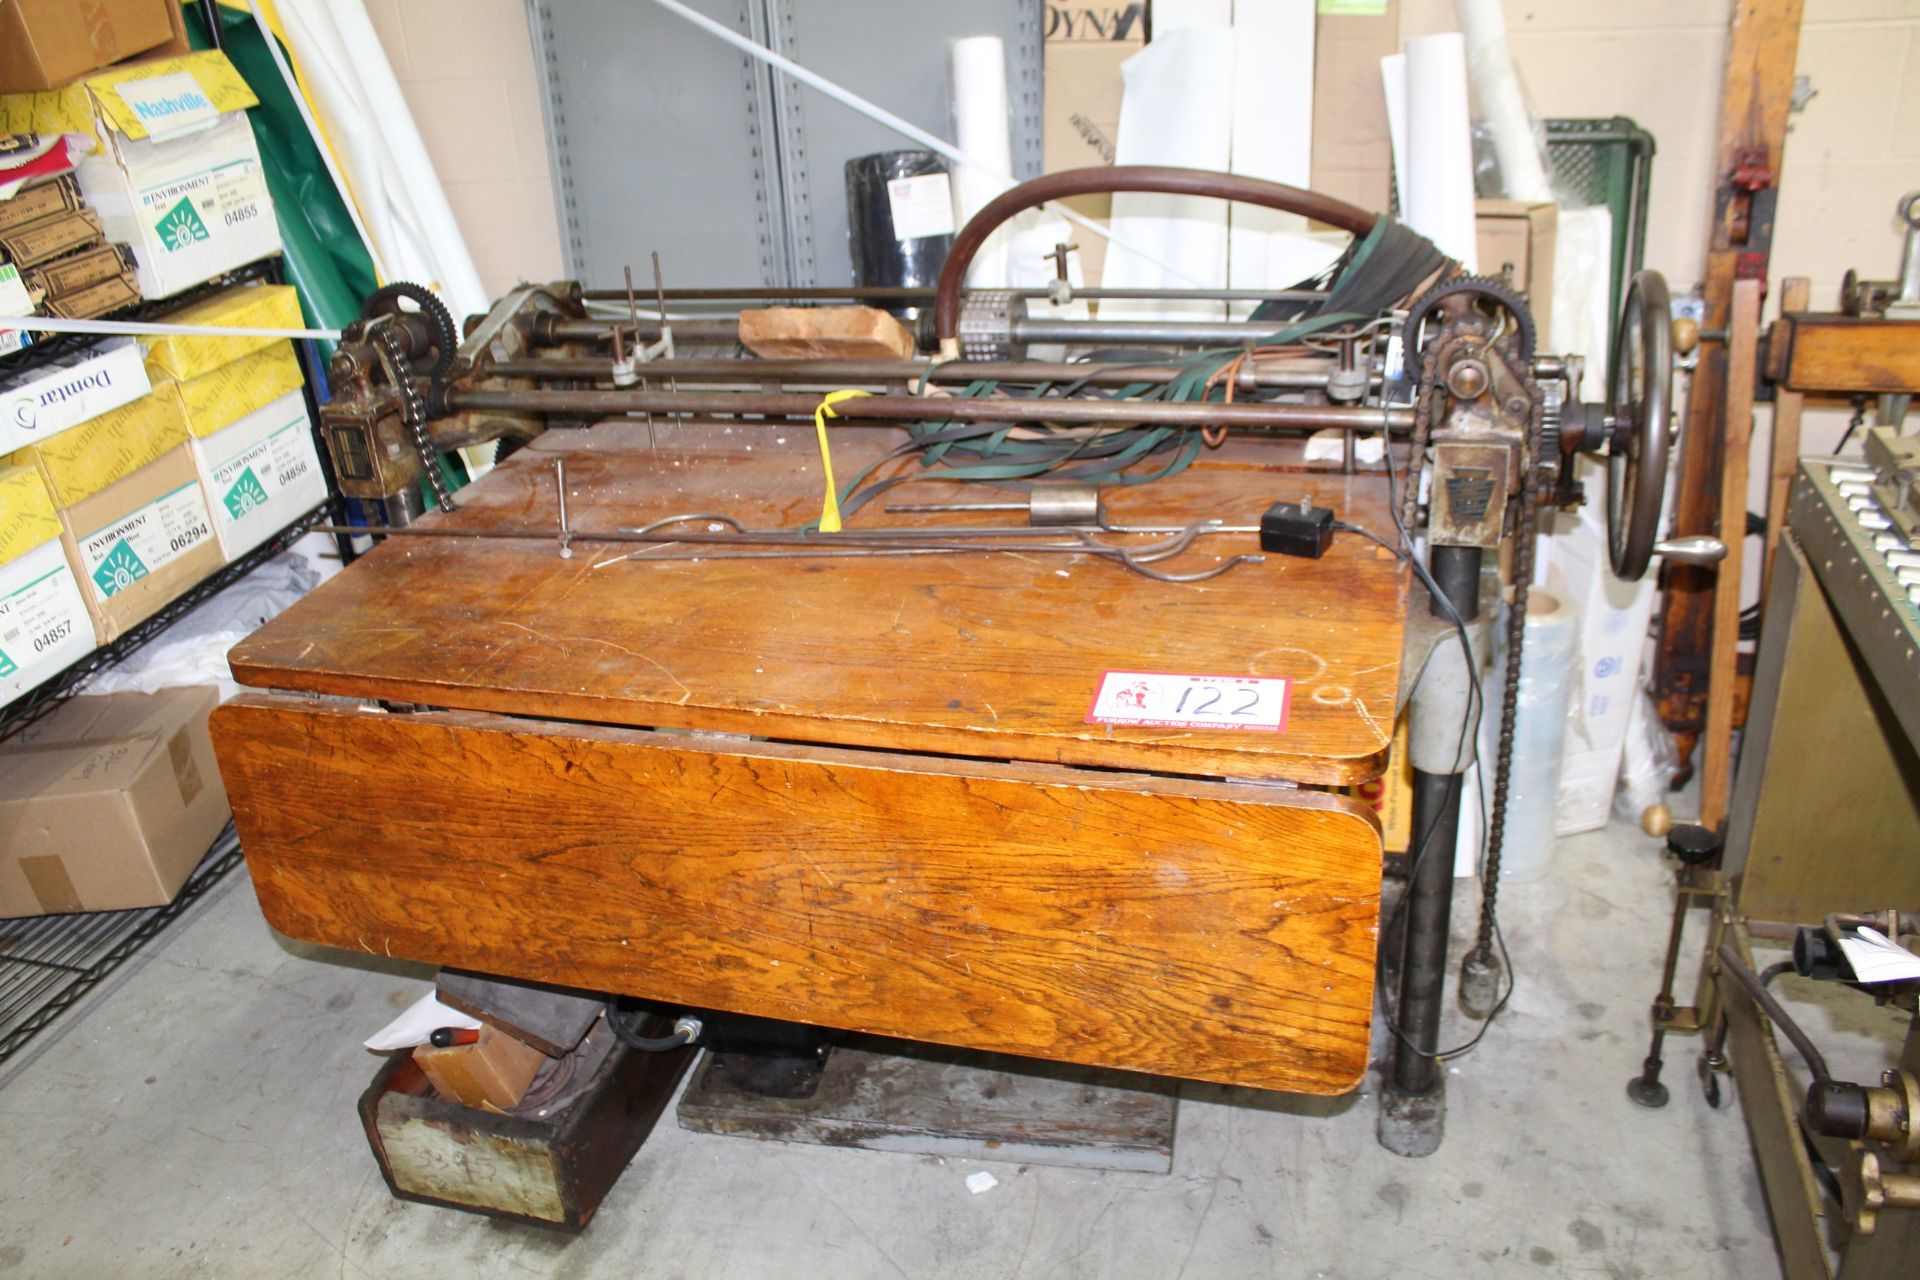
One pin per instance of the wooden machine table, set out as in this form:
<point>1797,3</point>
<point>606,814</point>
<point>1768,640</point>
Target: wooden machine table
<point>545,769</point>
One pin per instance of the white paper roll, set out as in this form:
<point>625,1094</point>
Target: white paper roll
<point>1503,103</point>
<point>1176,108</point>
<point>1439,182</point>
<point>1539,731</point>
<point>1273,139</point>
<point>982,127</point>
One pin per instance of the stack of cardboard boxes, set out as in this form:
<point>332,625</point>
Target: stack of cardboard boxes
<point>209,456</point>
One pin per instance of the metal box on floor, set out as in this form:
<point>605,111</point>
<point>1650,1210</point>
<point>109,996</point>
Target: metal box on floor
<point>550,1170</point>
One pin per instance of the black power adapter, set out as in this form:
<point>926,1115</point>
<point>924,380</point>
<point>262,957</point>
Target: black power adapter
<point>1297,529</point>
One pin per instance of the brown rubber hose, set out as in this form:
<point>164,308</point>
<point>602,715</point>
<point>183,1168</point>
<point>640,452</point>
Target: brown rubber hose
<point>1158,179</point>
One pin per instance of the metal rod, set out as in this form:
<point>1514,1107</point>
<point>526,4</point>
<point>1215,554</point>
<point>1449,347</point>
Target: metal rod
<point>912,293</point>
<point>560,487</point>
<point>841,373</point>
<point>726,329</point>
<point>902,408</point>
<point>1436,819</point>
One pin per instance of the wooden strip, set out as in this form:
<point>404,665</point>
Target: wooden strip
<point>1756,91</point>
<point>1212,931</point>
<point>1717,742</point>
<point>1785,456</point>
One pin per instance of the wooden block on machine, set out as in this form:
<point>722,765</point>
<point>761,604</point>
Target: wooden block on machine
<point>1208,930</point>
<point>551,1019</point>
<point>825,333</point>
<point>493,1071</point>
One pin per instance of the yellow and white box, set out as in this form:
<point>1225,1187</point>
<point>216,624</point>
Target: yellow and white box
<point>72,390</point>
<point>44,626</point>
<point>134,522</point>
<point>175,171</point>
<point>257,461</point>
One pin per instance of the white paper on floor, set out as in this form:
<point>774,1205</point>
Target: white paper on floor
<point>418,1021</point>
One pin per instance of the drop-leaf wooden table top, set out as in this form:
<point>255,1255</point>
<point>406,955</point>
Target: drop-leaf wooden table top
<point>990,655</point>
<point>904,846</point>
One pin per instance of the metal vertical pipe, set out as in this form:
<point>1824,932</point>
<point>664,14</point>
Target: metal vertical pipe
<point>1436,826</point>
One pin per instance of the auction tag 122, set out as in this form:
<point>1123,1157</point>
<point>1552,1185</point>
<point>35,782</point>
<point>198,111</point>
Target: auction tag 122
<point>1169,700</point>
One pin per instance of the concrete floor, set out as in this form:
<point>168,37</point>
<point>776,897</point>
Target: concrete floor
<point>198,1119</point>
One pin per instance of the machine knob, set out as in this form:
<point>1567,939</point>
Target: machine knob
<point>1686,335</point>
<point>1693,844</point>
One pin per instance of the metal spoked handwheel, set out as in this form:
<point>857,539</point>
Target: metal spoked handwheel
<point>1640,407</point>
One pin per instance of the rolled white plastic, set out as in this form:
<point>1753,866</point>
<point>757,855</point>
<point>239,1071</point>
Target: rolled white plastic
<point>982,127</point>
<point>1503,103</point>
<point>1176,108</point>
<point>1552,651</point>
<point>1439,181</point>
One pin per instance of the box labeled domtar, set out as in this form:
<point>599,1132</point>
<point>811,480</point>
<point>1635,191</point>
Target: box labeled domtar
<point>72,390</point>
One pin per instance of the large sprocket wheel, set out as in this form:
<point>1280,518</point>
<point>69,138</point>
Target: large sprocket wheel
<point>387,301</point>
<point>1482,293</point>
<point>1640,406</point>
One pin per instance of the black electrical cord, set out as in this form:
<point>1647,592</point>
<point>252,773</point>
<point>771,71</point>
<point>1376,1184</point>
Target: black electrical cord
<point>634,1040</point>
<point>1423,847</point>
<point>1816,1064</point>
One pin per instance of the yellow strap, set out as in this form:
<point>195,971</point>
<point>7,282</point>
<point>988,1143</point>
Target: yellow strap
<point>830,505</point>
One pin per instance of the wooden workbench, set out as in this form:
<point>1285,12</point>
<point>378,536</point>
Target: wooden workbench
<point>923,836</point>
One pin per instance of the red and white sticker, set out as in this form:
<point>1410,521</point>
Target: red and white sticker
<point>1168,700</point>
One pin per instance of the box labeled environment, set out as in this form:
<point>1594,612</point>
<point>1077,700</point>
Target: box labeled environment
<point>178,175</point>
<point>108,803</point>
<point>44,625</point>
<point>70,390</point>
<point>134,522</point>
<point>257,461</point>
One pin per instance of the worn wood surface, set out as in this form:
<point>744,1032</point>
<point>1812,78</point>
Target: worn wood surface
<point>979,655</point>
<point>825,333</point>
<point>1784,445</point>
<point>1756,94</point>
<point>1215,931</point>
<point>1716,744</point>
<point>1850,354</point>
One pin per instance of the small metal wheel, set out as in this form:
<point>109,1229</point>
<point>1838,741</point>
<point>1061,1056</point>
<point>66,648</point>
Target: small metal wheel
<point>1640,403</point>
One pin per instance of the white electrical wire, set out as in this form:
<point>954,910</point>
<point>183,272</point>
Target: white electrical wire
<point>137,328</point>
<point>880,115</point>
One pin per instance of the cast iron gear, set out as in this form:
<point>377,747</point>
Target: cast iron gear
<point>385,301</point>
<point>1498,291</point>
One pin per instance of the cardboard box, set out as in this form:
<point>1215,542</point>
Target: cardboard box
<point>250,306</point>
<point>108,803</point>
<point>1519,234</point>
<point>259,472</point>
<point>140,544</point>
<point>1352,151</point>
<point>177,176</point>
<point>252,442</point>
<point>45,43</point>
<point>108,447</point>
<point>1080,112</point>
<point>70,390</point>
<point>133,519</point>
<point>44,626</point>
<point>1390,795</point>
